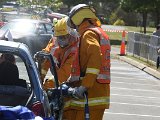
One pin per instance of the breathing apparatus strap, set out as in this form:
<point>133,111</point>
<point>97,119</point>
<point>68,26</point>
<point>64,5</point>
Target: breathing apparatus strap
<point>86,108</point>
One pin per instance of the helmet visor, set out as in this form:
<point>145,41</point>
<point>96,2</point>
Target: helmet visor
<point>81,15</point>
<point>63,41</point>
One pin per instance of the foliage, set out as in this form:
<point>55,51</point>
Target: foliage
<point>109,8</point>
<point>113,18</point>
<point>136,5</point>
<point>55,4</point>
<point>1,2</point>
<point>119,22</point>
<point>141,6</point>
<point>117,16</point>
<point>151,24</point>
<point>71,3</point>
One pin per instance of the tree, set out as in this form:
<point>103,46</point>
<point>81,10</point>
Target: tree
<point>1,2</point>
<point>71,3</point>
<point>155,8</point>
<point>140,6</point>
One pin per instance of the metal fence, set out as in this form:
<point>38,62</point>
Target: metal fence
<point>143,46</point>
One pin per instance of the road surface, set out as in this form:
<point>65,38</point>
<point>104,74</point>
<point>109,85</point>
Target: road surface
<point>135,95</point>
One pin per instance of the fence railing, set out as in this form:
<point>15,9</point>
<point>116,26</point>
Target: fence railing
<point>143,46</point>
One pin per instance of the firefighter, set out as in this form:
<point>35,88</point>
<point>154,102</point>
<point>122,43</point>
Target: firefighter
<point>91,66</point>
<point>61,47</point>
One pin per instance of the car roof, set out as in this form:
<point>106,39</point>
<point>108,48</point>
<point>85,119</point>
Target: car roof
<point>14,47</point>
<point>9,44</point>
<point>29,20</point>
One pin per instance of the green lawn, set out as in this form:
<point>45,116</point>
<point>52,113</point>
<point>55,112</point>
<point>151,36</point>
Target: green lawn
<point>116,37</point>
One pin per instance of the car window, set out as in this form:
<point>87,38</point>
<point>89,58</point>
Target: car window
<point>23,74</point>
<point>22,71</point>
<point>41,28</point>
<point>49,28</point>
<point>21,27</point>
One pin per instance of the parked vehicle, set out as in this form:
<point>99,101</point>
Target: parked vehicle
<point>34,33</point>
<point>34,98</point>
<point>53,15</point>
<point>48,13</point>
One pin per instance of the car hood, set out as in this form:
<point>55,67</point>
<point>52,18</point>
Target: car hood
<point>15,35</point>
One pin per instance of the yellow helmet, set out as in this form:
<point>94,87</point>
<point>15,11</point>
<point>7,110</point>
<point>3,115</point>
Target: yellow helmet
<point>79,13</point>
<point>61,28</point>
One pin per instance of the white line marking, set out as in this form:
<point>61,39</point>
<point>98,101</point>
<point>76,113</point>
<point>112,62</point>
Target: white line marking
<point>129,73</point>
<point>137,79</point>
<point>135,83</point>
<point>136,89</point>
<point>135,104</point>
<point>132,114</point>
<point>136,96</point>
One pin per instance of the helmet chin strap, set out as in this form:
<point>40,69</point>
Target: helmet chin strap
<point>63,46</point>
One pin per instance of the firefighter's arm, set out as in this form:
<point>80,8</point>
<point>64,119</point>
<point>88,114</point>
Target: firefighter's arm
<point>44,68</point>
<point>94,59</point>
<point>49,46</point>
<point>45,65</point>
<point>65,69</point>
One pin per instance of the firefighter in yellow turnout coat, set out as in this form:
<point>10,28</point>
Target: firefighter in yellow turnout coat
<point>61,47</point>
<point>91,66</point>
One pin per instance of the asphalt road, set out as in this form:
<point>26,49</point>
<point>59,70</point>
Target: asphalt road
<point>135,95</point>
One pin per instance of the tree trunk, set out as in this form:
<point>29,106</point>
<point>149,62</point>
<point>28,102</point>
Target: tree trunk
<point>144,21</point>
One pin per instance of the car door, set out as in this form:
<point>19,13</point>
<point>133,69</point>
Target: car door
<point>48,28</point>
<point>44,34</point>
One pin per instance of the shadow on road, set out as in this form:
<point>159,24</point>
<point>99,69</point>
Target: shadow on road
<point>116,42</point>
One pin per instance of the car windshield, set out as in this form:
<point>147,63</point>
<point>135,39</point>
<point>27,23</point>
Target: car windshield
<point>20,27</point>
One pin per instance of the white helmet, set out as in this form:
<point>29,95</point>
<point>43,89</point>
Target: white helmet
<point>78,13</point>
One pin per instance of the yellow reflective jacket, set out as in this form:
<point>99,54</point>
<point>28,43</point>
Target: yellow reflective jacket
<point>90,57</point>
<point>63,71</point>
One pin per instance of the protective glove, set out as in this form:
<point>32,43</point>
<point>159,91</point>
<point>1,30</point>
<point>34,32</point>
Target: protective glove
<point>77,92</point>
<point>37,57</point>
<point>63,89</point>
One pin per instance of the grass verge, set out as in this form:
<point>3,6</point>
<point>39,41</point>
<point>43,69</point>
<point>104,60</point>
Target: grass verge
<point>143,61</point>
<point>116,37</point>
